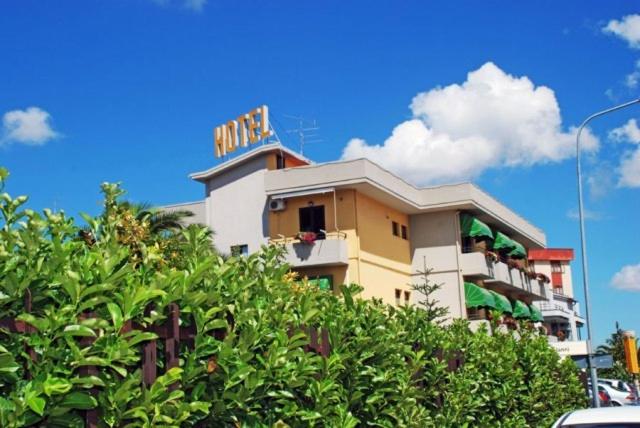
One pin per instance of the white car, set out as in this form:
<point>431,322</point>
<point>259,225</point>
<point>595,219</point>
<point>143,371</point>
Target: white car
<point>619,397</point>
<point>617,383</point>
<point>604,417</point>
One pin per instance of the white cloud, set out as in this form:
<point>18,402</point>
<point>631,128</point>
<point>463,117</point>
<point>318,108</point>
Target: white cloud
<point>491,120</point>
<point>629,170</point>
<point>600,180</point>
<point>628,29</point>
<point>628,278</point>
<point>574,214</point>
<point>195,5</point>
<point>627,133</point>
<point>31,126</point>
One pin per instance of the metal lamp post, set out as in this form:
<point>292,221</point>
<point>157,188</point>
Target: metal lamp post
<point>583,241</point>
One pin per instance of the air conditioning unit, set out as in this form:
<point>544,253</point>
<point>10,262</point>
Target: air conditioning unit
<point>277,205</point>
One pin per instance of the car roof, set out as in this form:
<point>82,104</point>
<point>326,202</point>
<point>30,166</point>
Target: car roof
<point>603,414</point>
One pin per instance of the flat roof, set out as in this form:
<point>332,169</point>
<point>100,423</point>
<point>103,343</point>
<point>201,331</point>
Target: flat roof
<point>381,184</point>
<point>202,176</point>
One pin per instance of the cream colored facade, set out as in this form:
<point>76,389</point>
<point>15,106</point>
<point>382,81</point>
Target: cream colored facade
<point>376,229</point>
<point>561,311</point>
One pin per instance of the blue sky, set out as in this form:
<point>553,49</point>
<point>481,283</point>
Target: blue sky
<point>130,91</point>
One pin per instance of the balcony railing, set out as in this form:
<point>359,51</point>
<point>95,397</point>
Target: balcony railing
<point>478,265</point>
<point>332,250</point>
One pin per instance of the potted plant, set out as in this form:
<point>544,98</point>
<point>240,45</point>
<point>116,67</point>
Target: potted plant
<point>491,256</point>
<point>307,237</point>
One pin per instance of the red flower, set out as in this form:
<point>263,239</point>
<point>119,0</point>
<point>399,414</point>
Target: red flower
<point>307,237</point>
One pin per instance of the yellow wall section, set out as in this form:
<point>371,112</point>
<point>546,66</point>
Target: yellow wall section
<point>384,259</point>
<point>378,260</point>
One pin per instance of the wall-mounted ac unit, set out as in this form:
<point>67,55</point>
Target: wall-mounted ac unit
<point>277,205</point>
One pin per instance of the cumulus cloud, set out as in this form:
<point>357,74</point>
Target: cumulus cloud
<point>629,170</point>
<point>31,126</point>
<point>627,133</point>
<point>628,29</point>
<point>628,278</point>
<point>491,120</point>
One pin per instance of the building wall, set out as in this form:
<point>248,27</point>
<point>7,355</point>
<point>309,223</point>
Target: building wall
<point>236,206</point>
<point>197,208</point>
<point>378,261</point>
<point>384,260</point>
<point>435,245</point>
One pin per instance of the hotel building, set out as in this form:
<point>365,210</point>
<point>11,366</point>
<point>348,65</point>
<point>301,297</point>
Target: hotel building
<point>353,221</point>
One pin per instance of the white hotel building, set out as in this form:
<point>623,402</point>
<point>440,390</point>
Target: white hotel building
<point>353,221</point>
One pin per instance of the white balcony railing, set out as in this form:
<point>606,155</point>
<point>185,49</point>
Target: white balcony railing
<point>476,264</point>
<point>330,251</point>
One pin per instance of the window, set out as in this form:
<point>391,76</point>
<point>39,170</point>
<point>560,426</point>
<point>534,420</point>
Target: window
<point>312,220</point>
<point>556,277</point>
<point>324,282</point>
<point>398,294</point>
<point>557,267</point>
<point>239,250</point>
<point>395,228</point>
<point>280,164</point>
<point>404,232</point>
<point>407,297</point>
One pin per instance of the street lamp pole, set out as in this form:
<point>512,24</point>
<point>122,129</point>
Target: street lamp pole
<point>583,242</point>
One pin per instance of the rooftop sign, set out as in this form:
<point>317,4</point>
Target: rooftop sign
<point>248,128</point>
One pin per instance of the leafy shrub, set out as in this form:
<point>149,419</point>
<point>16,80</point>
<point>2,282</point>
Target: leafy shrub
<point>248,366</point>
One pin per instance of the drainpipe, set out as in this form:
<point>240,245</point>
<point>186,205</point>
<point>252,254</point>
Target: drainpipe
<point>456,227</point>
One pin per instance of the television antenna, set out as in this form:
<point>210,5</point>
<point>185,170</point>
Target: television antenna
<point>305,131</point>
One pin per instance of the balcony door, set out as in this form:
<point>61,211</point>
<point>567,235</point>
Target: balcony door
<point>312,220</point>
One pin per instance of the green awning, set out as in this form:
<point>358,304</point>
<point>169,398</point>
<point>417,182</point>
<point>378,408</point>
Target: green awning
<point>471,226</point>
<point>536,314</point>
<point>521,310</point>
<point>477,296</point>
<point>502,303</point>
<point>503,243</point>
<point>519,251</point>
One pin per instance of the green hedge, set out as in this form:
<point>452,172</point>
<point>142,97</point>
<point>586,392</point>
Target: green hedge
<point>382,370</point>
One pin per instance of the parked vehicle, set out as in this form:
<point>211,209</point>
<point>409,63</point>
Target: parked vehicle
<point>610,417</point>
<point>618,397</point>
<point>619,384</point>
<point>605,398</point>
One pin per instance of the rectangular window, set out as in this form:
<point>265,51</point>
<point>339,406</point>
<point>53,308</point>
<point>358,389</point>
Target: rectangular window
<point>324,282</point>
<point>395,228</point>
<point>398,295</point>
<point>280,164</point>
<point>312,220</point>
<point>404,232</point>
<point>407,297</point>
<point>557,267</point>
<point>239,250</point>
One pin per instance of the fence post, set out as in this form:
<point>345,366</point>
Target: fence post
<point>172,341</point>
<point>28,328</point>
<point>149,357</point>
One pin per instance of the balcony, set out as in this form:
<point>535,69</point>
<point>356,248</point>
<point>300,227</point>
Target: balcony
<point>476,264</point>
<point>331,251</point>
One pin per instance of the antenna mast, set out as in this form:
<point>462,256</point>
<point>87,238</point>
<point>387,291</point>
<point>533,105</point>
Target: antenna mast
<point>302,131</point>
